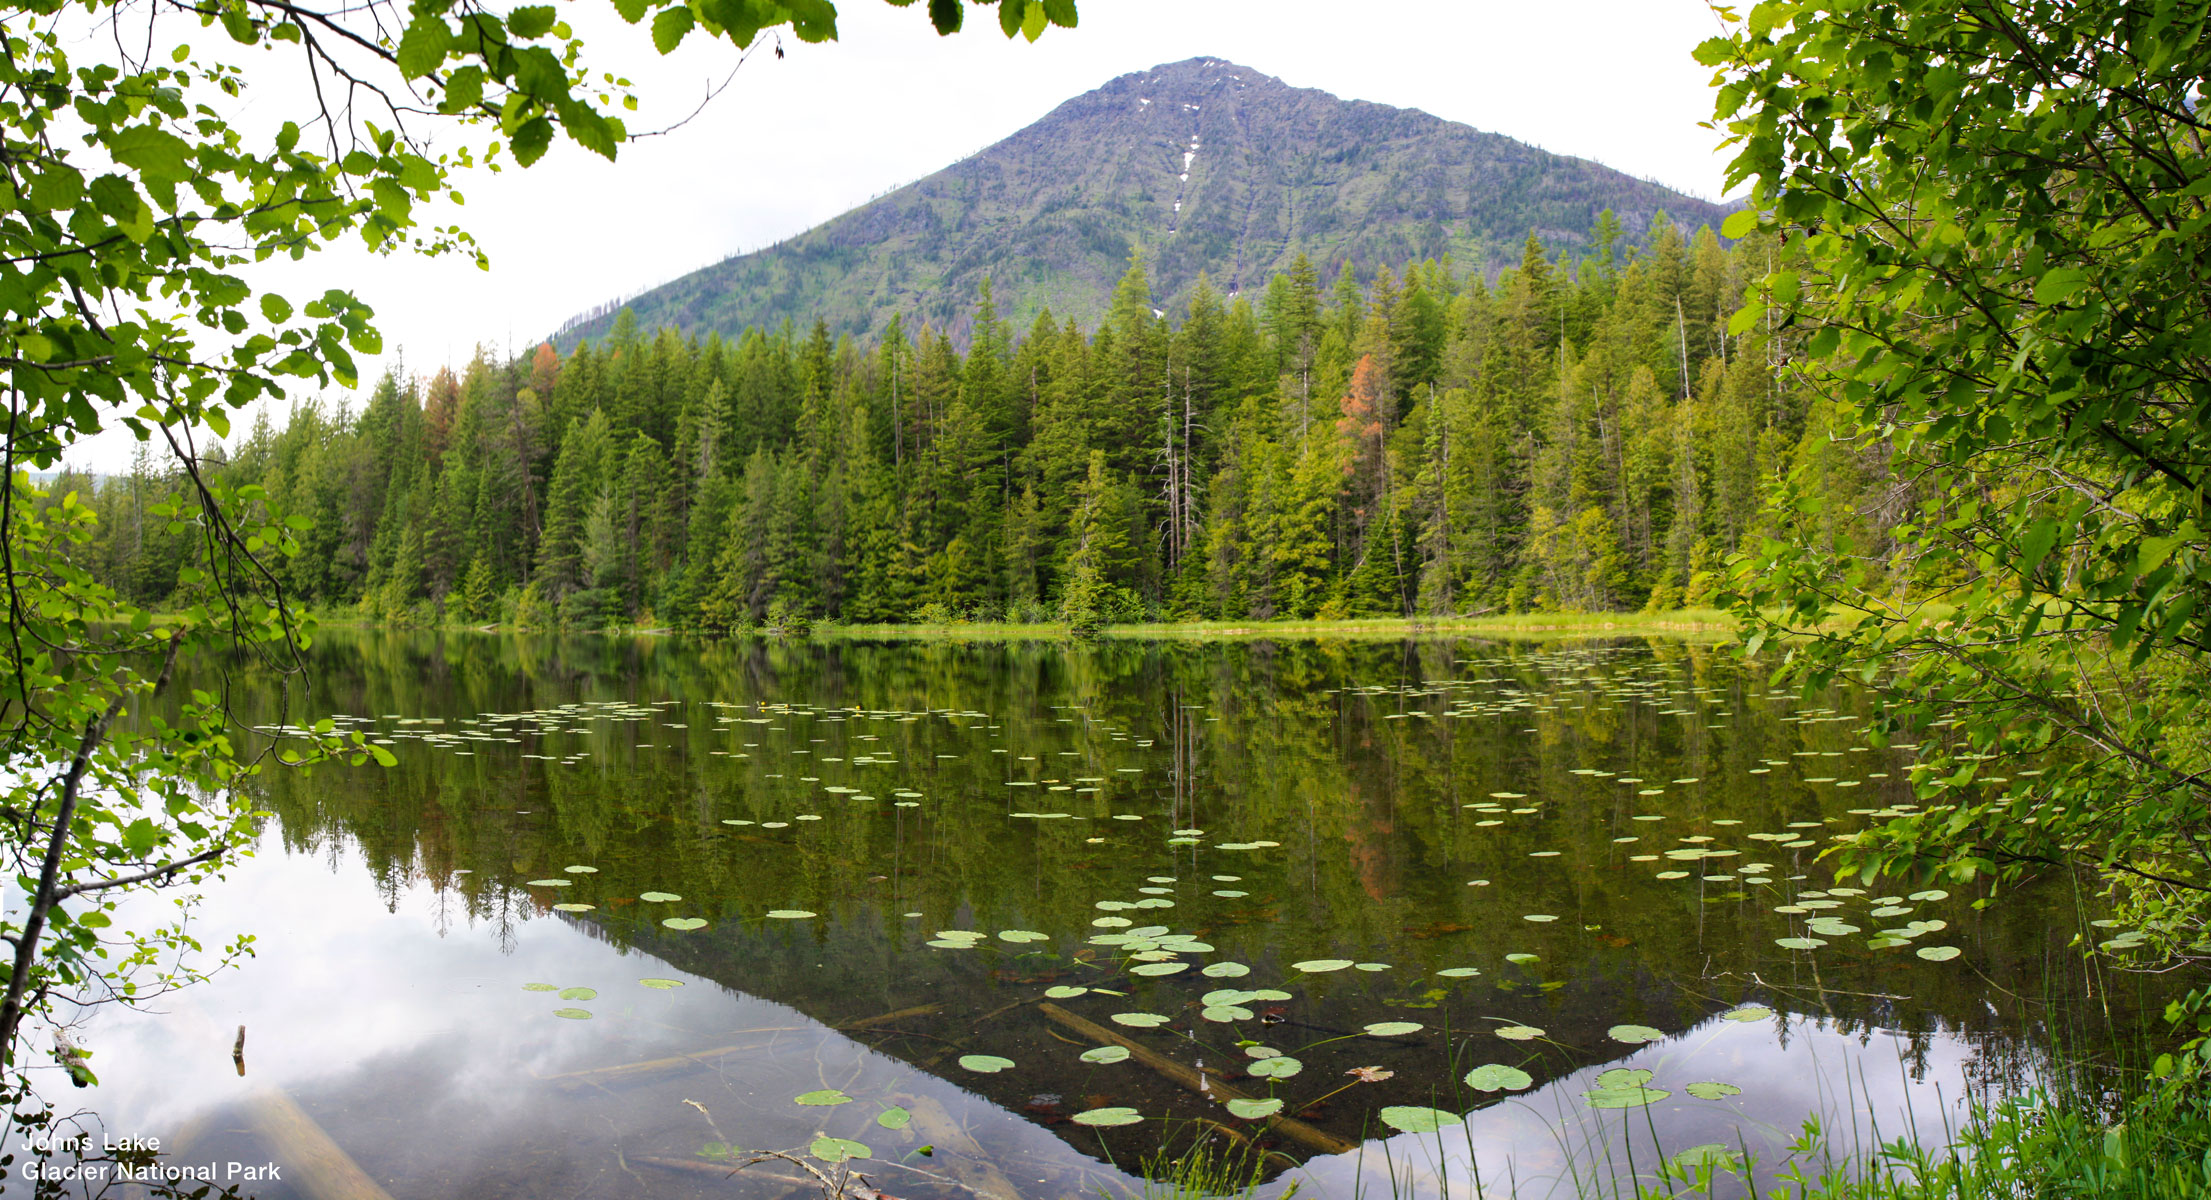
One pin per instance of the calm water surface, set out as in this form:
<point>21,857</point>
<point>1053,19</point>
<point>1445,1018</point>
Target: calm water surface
<point>930,877</point>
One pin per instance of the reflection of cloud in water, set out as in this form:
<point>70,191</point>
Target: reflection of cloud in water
<point>419,1052</point>
<point>1866,1088</point>
<point>416,1046</point>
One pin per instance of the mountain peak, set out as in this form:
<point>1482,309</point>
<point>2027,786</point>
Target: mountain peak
<point>1202,166</point>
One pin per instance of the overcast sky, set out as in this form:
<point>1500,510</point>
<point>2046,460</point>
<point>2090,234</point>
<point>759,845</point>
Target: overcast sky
<point>795,141</point>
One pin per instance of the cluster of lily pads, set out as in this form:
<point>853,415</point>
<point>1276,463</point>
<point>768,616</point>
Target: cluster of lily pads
<point>584,994</point>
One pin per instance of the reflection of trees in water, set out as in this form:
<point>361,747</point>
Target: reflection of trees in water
<point>1310,744</point>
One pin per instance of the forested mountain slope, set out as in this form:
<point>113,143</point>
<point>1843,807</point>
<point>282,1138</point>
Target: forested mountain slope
<point>1585,435</point>
<point>1203,166</point>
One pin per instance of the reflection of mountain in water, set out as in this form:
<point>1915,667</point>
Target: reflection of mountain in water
<point>1378,805</point>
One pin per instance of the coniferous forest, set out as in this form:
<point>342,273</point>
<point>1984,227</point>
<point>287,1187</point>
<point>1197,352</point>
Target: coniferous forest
<point>1582,433</point>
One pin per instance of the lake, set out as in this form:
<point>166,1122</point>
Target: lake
<point>1031,920</point>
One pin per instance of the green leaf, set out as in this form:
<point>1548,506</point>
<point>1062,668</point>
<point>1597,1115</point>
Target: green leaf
<point>894,1117</point>
<point>1107,1117</point>
<point>1740,222</point>
<point>1496,1077</point>
<point>825,1098</point>
<point>669,27</point>
<point>154,153</point>
<point>531,21</point>
<point>1407,1118</point>
<point>531,140</point>
<point>837,1150</point>
<point>1252,1110</point>
<point>1629,1096</point>
<point>2058,285</point>
<point>985,1064</point>
<point>423,47</point>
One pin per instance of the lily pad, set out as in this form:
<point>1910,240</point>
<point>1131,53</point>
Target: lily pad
<point>574,907</point>
<point>1799,943</point>
<point>1106,1054</point>
<point>825,1098</point>
<point>540,987</point>
<point>658,897</point>
<point>1065,991</point>
<point>579,869</point>
<point>894,1117</point>
<point>1225,970</point>
<point>552,883</point>
<point>661,985</point>
<point>1634,1035</point>
<point>1459,972</point>
<point>1634,1096</point>
<point>1318,966</point>
<point>1139,1020</point>
<point>1107,1116</point>
<point>1022,935</point>
<point>1159,968</point>
<point>1712,1091</point>
<point>1518,1033</point>
<point>1226,1013</point>
<point>789,914</point>
<point>837,1149</point>
<point>1252,1110</point>
<point>1394,1028</point>
<point>1279,1067</point>
<point>1408,1118</point>
<point>1937,953</point>
<point>1710,1154</point>
<point>985,1064</point>
<point>573,1014</point>
<point>685,923</point>
<point>1749,1012</point>
<point>579,993</point>
<point>1497,1077</point>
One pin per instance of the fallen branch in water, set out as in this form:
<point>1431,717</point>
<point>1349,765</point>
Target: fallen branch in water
<point>1201,1082</point>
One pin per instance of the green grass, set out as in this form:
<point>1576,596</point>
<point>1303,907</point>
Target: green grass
<point>2058,1145</point>
<point>1706,624</point>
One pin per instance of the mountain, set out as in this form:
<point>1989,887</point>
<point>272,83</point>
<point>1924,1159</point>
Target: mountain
<point>1203,166</point>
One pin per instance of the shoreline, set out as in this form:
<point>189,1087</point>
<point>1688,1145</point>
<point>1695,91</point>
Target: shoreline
<point>1705,625</point>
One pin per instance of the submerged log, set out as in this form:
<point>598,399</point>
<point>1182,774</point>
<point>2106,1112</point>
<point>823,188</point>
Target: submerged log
<point>919,1010</point>
<point>1203,1083</point>
<point>323,1170</point>
<point>631,1074</point>
<point>725,1171</point>
<point>958,1154</point>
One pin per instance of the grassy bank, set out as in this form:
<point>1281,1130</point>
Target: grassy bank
<point>1702,624</point>
<point>1694,624</point>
